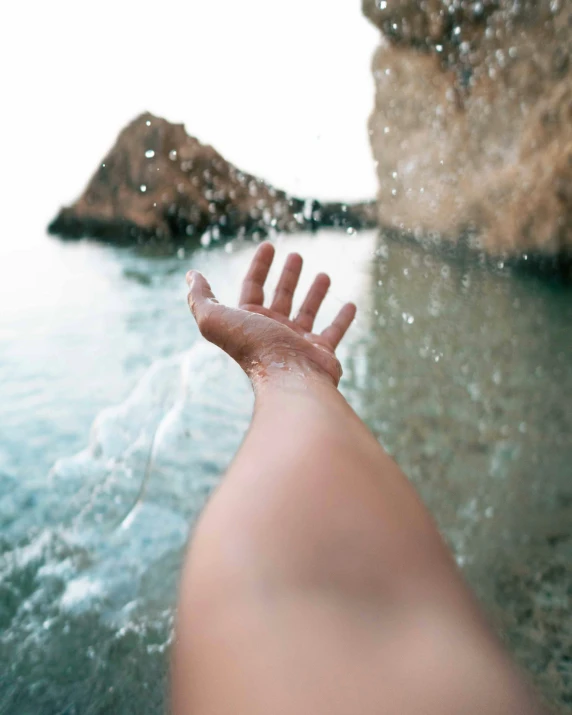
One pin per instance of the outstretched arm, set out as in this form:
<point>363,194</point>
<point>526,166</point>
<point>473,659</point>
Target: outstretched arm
<point>316,581</point>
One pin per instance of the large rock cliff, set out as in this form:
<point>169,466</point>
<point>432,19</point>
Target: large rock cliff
<point>472,125</point>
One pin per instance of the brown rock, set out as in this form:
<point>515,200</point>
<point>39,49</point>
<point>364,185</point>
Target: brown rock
<point>471,129</point>
<point>158,184</point>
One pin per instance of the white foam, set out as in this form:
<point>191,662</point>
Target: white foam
<point>80,592</point>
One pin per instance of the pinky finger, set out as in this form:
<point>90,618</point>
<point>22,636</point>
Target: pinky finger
<point>336,331</point>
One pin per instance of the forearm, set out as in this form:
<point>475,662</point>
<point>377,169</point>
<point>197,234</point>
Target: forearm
<point>315,534</point>
<point>314,499</point>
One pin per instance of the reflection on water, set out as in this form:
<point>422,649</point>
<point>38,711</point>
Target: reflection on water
<point>467,384</point>
<point>462,374</point>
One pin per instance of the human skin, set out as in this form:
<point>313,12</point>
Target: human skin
<point>316,580</point>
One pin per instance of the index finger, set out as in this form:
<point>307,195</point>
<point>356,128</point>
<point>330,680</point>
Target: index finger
<point>252,292</point>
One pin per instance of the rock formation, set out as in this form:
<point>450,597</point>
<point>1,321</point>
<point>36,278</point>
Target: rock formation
<point>160,185</point>
<point>472,125</point>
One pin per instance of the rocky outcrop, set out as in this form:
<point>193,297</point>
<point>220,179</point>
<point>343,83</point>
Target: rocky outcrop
<point>160,185</point>
<point>472,125</point>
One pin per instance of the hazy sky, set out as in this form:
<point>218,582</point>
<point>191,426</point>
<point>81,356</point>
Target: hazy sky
<point>281,89</point>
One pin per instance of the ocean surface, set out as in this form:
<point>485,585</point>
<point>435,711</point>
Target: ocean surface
<point>117,420</point>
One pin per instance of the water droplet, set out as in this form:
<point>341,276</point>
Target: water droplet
<point>181,252</point>
<point>149,153</point>
<point>205,239</point>
<point>308,209</point>
<point>386,130</point>
<point>392,302</point>
<point>382,4</point>
<point>489,511</point>
<point>148,123</point>
<point>408,318</point>
<point>143,188</point>
<point>474,391</point>
<point>173,155</point>
<point>439,48</point>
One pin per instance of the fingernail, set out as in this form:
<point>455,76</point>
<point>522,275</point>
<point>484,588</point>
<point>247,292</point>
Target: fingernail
<point>189,277</point>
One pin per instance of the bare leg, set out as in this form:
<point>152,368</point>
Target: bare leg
<point>317,581</point>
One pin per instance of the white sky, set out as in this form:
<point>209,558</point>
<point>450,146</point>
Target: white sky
<point>283,90</point>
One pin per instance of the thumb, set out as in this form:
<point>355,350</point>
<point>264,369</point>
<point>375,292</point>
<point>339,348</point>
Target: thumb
<point>203,304</point>
<point>199,289</point>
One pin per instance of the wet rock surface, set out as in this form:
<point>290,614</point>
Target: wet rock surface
<point>160,185</point>
<point>472,130</point>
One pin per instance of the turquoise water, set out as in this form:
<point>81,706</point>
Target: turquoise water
<point>116,421</point>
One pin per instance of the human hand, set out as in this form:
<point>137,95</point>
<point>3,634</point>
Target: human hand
<point>266,341</point>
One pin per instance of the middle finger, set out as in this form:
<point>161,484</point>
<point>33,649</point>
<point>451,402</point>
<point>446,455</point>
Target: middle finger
<point>282,302</point>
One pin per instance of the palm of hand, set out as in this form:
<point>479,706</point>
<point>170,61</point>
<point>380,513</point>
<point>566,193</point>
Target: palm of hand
<point>260,338</point>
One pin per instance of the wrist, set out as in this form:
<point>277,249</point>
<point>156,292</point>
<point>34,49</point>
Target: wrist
<point>294,377</point>
<point>300,400</point>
